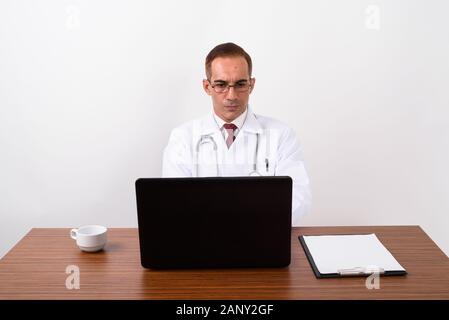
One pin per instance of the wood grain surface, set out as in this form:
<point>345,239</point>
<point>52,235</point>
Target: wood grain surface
<point>35,269</point>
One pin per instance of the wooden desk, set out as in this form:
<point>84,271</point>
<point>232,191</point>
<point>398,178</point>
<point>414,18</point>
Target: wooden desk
<point>35,269</point>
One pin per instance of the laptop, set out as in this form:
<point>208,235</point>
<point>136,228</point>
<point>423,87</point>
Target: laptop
<point>214,222</point>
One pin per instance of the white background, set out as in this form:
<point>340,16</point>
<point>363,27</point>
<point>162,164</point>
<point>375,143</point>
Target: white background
<point>89,91</point>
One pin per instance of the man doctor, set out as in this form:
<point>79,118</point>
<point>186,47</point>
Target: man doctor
<point>232,140</point>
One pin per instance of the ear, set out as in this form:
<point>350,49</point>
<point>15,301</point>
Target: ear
<point>206,86</point>
<point>253,82</point>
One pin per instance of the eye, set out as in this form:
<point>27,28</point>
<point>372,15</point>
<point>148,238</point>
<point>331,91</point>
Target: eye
<point>220,85</point>
<point>241,84</point>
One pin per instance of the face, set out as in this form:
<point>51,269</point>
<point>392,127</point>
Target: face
<point>234,71</point>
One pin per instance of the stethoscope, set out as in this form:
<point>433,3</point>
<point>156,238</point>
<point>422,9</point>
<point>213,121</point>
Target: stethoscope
<point>208,138</point>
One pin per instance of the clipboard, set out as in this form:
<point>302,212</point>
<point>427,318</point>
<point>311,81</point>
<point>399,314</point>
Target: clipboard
<point>358,249</point>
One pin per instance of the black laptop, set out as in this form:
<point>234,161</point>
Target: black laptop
<point>216,222</point>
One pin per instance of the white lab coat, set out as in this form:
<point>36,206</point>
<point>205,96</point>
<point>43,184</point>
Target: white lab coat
<point>277,144</point>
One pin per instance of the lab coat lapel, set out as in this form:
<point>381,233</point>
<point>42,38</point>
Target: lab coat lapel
<point>251,123</point>
<point>208,126</point>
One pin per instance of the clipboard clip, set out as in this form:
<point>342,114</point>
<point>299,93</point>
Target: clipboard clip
<point>357,271</point>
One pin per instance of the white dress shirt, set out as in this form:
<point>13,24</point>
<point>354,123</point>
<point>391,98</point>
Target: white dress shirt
<point>238,122</point>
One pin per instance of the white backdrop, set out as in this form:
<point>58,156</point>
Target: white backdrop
<point>89,91</point>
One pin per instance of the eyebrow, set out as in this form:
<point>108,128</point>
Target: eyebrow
<point>222,81</point>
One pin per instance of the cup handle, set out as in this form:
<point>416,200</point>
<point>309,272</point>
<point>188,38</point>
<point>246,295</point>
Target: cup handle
<point>73,233</point>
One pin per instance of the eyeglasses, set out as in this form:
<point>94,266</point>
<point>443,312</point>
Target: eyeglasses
<point>223,86</point>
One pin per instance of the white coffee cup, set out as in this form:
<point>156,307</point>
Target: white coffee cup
<point>90,238</point>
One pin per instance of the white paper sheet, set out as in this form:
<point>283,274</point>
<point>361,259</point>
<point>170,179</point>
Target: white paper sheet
<point>335,252</point>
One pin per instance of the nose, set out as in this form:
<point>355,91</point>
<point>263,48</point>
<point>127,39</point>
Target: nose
<point>231,94</point>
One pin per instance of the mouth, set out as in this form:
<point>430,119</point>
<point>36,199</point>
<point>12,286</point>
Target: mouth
<point>231,108</point>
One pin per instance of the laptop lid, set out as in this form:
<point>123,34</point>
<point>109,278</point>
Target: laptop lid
<point>214,222</point>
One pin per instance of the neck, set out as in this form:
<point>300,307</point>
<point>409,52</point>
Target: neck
<point>229,120</point>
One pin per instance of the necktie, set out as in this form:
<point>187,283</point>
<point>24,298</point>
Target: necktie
<point>230,127</point>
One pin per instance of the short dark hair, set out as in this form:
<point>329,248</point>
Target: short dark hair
<point>228,49</point>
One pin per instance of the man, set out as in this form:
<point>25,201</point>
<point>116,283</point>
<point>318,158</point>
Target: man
<point>232,140</point>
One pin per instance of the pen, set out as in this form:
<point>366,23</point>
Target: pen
<point>360,271</point>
